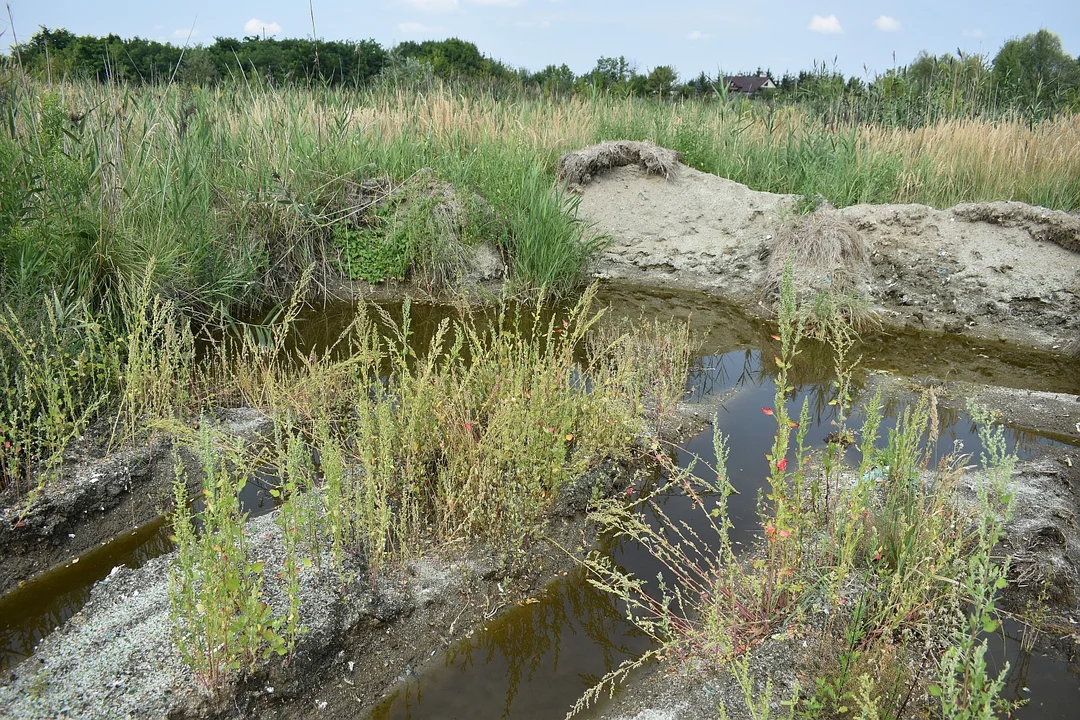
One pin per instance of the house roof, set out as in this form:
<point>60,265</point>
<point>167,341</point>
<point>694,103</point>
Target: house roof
<point>748,83</point>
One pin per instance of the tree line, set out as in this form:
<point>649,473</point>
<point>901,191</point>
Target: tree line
<point>1032,74</point>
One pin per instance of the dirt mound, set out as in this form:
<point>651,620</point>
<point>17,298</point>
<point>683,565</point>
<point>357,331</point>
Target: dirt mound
<point>993,270</point>
<point>578,168</point>
<point>1040,223</point>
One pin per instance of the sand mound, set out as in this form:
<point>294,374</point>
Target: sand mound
<point>994,270</point>
<point>1057,227</point>
<point>577,168</point>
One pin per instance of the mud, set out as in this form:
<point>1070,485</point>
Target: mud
<point>1000,271</point>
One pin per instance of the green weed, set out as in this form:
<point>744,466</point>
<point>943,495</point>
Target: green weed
<point>222,625</point>
<point>886,547</point>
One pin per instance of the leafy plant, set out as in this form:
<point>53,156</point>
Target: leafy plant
<point>222,625</point>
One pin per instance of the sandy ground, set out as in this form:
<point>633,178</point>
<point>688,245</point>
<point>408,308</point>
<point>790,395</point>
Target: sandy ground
<point>116,658</point>
<point>990,270</point>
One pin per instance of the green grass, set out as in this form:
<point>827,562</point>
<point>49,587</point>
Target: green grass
<point>227,196</point>
<point>234,190</point>
<point>392,448</point>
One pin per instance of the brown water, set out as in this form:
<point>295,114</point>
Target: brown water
<point>535,660</point>
<point>506,671</point>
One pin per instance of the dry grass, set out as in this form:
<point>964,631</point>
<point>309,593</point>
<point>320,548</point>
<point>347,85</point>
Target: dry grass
<point>940,165</point>
<point>578,168</point>
<point>995,157</point>
<point>827,252</point>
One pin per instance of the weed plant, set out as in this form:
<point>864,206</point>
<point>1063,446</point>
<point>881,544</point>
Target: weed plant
<point>888,578</point>
<point>65,366</point>
<point>382,448</point>
<point>59,367</point>
<point>221,622</point>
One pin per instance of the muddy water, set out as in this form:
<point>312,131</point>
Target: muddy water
<point>507,671</point>
<point>534,661</point>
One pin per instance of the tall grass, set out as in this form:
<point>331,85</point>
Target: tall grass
<point>392,447</point>
<point>235,189</point>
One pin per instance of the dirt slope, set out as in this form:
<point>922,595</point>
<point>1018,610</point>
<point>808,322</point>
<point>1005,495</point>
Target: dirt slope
<point>993,270</point>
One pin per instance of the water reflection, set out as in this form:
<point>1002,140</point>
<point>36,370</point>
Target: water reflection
<point>529,662</point>
<point>32,611</point>
<point>536,660</point>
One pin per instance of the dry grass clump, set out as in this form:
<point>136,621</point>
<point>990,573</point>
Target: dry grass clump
<point>827,252</point>
<point>578,168</point>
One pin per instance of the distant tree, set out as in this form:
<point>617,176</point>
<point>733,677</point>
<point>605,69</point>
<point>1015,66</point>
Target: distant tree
<point>554,80</point>
<point>662,81</point>
<point>701,86</point>
<point>452,57</point>
<point>1035,72</point>
<point>638,85</point>
<point>611,71</point>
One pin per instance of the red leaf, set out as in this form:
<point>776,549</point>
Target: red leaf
<point>782,465</point>
<point>767,411</point>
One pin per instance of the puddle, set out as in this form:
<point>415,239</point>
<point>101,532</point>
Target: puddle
<point>532,662</point>
<point>1051,686</point>
<point>537,659</point>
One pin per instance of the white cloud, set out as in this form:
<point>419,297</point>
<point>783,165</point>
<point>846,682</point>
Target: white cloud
<point>825,25</point>
<point>182,34</point>
<point>255,26</point>
<point>976,33</point>
<point>434,6</point>
<point>887,24</point>
<point>415,28</point>
<point>698,35</point>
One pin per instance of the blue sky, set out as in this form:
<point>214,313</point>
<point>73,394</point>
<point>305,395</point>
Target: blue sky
<point>855,36</point>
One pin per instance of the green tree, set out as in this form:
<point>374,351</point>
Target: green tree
<point>662,81</point>
<point>611,71</point>
<point>554,80</point>
<point>1036,73</point>
<point>451,57</point>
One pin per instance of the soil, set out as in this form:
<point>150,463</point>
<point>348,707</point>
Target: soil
<point>1000,270</point>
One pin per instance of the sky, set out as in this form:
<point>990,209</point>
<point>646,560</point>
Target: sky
<point>855,37</point>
